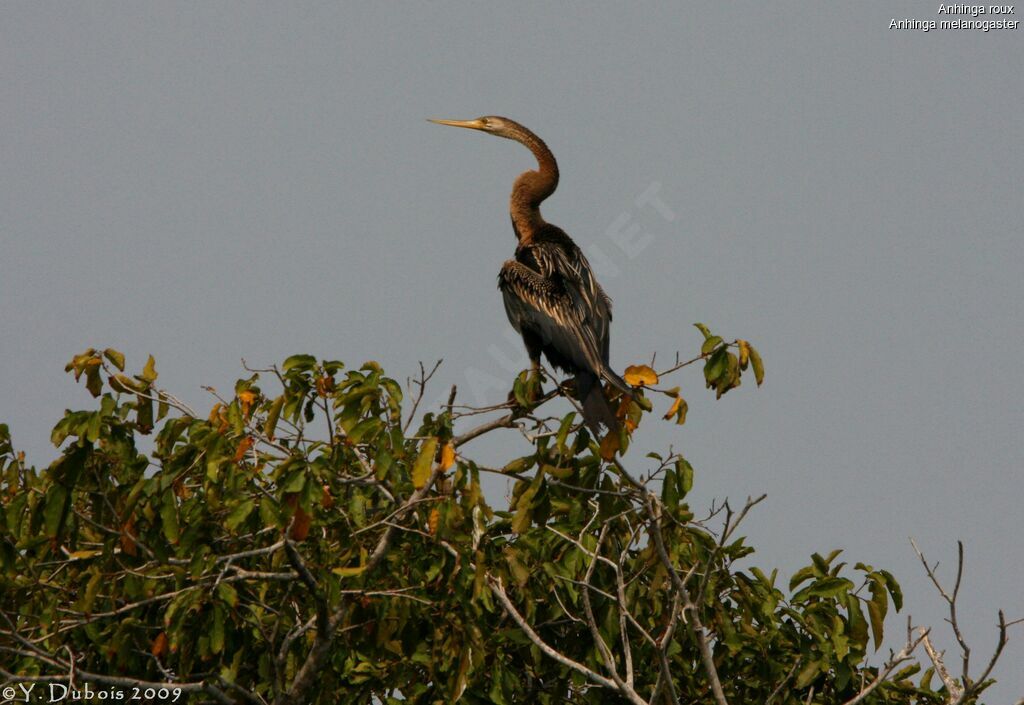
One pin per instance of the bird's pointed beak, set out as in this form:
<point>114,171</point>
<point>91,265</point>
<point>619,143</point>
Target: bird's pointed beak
<point>471,124</point>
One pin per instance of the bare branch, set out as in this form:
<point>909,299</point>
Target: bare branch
<point>953,686</point>
<point>499,592</point>
<point>904,655</point>
<point>295,559</point>
<point>695,624</point>
<point>422,384</point>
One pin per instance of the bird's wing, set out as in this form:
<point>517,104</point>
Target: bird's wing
<point>555,311</point>
<point>588,297</point>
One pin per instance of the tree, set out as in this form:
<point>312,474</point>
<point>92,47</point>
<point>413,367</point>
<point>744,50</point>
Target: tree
<point>308,543</point>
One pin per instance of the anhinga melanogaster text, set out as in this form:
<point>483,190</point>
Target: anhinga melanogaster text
<point>551,296</point>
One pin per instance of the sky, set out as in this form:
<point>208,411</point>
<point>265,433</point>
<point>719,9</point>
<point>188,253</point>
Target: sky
<point>207,182</point>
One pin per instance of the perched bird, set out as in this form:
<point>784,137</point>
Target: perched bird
<point>551,296</point>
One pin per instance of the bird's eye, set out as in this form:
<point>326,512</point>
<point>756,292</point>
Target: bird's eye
<point>485,121</point>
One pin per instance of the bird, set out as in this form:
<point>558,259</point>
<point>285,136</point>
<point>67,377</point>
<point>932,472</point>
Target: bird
<point>551,296</point>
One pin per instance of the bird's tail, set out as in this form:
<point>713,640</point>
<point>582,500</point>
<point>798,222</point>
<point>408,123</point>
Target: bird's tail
<point>597,412</point>
<point>619,383</point>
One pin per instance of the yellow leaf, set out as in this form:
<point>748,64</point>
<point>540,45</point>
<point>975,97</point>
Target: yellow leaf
<point>421,468</point>
<point>149,371</point>
<point>432,521</point>
<point>117,358</point>
<point>349,572</point>
<point>679,409</point>
<point>447,456</point>
<point>755,360</point>
<point>125,384</point>
<point>744,353</point>
<point>638,375</point>
<point>247,398</point>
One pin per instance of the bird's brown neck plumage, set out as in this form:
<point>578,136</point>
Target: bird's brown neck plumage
<point>532,187</point>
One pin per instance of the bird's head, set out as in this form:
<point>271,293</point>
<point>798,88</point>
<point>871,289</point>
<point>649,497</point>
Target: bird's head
<point>491,124</point>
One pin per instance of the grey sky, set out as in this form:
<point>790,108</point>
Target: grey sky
<point>208,181</point>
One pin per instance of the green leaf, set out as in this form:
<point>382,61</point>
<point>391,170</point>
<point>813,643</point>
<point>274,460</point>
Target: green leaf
<point>831,587</point>
<point>300,363</point>
<point>270,425</point>
<point>294,481</point>
<point>523,516</point>
<point>240,513</point>
<point>563,432</point>
<point>227,592</point>
<point>144,414</point>
<point>217,630</point>
<point>169,517</point>
<point>858,626</point>
<point>91,590</point>
<point>685,471</point>
<point>703,329</point>
<point>55,509</point>
<point>365,430</point>
<point>269,515</point>
<point>560,473</point>
<point>807,674</point>
<point>894,589</point>
<point>716,366</point>
<point>801,575</point>
<point>162,408</point>
<point>710,344</point>
<point>877,607</point>
<point>93,381</point>
<point>424,461</point>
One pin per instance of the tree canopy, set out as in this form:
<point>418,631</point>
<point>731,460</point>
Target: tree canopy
<point>317,538</point>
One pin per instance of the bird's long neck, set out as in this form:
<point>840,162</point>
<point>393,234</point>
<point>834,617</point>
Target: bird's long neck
<point>532,187</point>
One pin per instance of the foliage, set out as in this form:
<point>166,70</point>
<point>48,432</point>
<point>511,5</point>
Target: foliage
<point>301,543</point>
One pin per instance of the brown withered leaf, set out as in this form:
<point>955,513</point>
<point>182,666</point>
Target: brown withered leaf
<point>159,647</point>
<point>300,526</point>
<point>327,500</point>
<point>610,445</point>
<point>127,540</point>
<point>243,448</point>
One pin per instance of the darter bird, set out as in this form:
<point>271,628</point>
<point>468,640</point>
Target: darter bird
<point>551,296</point>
